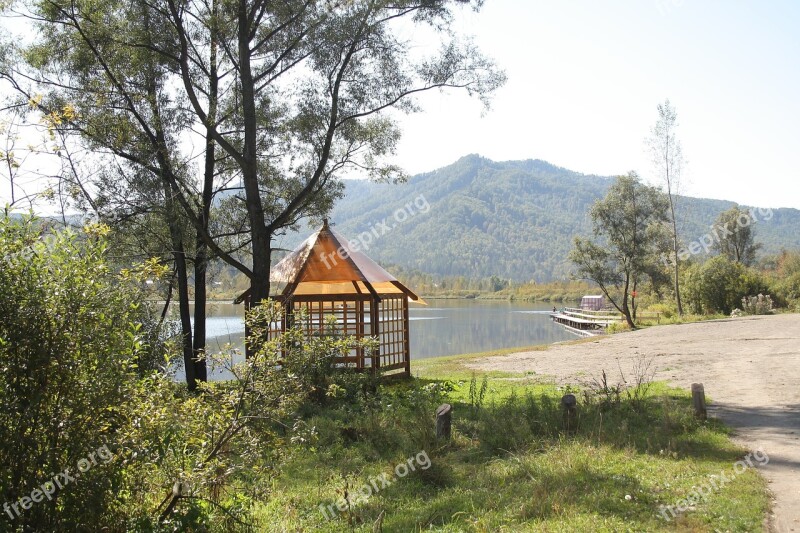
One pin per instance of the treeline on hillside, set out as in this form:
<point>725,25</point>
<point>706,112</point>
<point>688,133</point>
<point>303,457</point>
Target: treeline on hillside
<point>493,287</point>
<point>515,220</point>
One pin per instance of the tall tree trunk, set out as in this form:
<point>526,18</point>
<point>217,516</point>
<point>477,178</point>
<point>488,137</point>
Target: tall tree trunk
<point>173,218</point>
<point>200,298</point>
<point>179,255</point>
<point>675,251</point>
<point>202,256</point>
<point>260,235</point>
<point>199,340</point>
<point>668,176</point>
<point>626,310</point>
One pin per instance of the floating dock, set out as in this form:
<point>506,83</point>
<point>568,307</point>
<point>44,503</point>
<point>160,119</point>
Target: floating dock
<point>584,322</point>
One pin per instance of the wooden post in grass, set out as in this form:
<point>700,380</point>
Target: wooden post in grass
<point>699,400</point>
<point>444,419</point>
<point>570,405</point>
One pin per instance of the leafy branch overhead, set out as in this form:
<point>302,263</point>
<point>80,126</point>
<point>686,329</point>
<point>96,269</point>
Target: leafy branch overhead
<point>293,93</point>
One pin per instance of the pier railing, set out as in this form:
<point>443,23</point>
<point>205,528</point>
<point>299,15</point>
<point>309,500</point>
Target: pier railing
<point>588,314</point>
<point>589,322</point>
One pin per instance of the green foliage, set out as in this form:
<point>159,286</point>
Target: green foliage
<point>264,450</point>
<point>617,327</point>
<point>510,465</point>
<point>513,423</point>
<point>141,79</point>
<point>666,311</point>
<point>736,236</point>
<point>719,284</point>
<point>74,344</point>
<point>477,395</point>
<point>786,277</point>
<point>312,360</point>
<point>225,444</point>
<point>214,444</point>
<point>71,344</point>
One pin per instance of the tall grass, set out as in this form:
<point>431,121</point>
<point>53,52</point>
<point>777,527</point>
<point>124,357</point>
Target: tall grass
<point>510,466</point>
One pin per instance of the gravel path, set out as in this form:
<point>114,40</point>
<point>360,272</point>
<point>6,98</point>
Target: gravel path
<point>750,368</point>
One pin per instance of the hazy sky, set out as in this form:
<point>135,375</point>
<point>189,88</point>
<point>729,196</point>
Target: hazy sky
<point>585,77</point>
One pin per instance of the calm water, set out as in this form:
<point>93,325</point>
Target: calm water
<point>444,327</point>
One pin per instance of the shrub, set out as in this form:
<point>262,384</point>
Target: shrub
<point>719,284</point>
<point>71,340</point>
<point>786,282</point>
<point>617,327</point>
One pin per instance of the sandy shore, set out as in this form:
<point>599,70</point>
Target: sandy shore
<point>750,367</point>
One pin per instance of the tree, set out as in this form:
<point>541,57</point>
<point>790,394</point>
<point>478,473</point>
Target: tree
<point>304,91</point>
<point>736,237</point>
<point>668,161</point>
<point>787,272</point>
<point>113,93</point>
<point>352,68</point>
<point>75,66</point>
<point>628,225</point>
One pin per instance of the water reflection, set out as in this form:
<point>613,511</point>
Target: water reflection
<point>466,326</point>
<point>445,327</point>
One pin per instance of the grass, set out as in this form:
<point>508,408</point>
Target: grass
<point>510,465</point>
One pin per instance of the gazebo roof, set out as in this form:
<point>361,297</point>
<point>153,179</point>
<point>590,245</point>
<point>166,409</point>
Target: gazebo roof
<point>325,264</point>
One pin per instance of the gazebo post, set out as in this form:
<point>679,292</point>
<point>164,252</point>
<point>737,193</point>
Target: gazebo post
<point>360,333</point>
<point>406,338</point>
<point>375,330</point>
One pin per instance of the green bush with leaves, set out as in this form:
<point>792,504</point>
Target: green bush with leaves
<point>71,341</point>
<point>786,282</point>
<point>223,446</point>
<point>719,284</point>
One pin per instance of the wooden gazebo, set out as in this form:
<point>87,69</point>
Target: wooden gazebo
<point>326,276</point>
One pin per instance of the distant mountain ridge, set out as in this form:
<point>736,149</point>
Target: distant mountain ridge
<point>513,219</point>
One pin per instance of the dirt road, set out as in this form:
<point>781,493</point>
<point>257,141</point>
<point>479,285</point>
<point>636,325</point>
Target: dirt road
<point>750,367</point>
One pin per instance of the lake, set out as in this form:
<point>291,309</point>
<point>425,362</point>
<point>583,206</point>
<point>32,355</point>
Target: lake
<point>444,327</point>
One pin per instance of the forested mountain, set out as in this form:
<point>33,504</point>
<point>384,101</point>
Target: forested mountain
<point>515,219</point>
